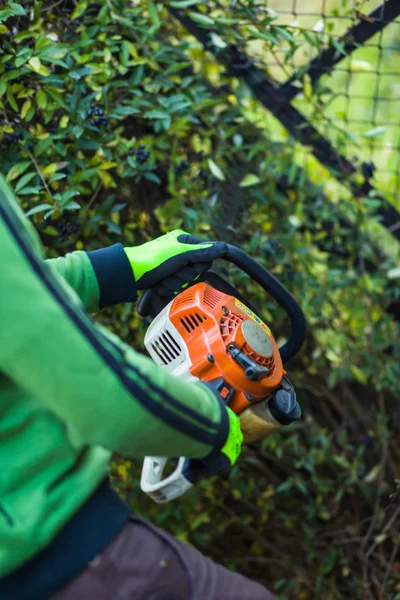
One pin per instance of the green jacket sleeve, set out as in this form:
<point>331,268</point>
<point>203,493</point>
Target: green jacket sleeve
<point>100,278</point>
<point>102,391</point>
<point>78,272</point>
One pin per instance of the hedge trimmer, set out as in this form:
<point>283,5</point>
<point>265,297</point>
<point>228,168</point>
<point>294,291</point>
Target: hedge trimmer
<point>210,332</point>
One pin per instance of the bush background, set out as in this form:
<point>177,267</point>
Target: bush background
<point>313,511</point>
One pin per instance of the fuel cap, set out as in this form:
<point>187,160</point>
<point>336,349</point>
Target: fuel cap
<point>256,338</point>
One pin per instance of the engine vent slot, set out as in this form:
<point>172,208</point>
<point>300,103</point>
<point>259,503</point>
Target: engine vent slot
<point>211,297</point>
<point>229,324</point>
<point>192,321</point>
<point>184,298</point>
<point>166,347</point>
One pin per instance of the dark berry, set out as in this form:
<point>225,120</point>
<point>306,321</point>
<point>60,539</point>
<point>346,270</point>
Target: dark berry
<point>8,67</point>
<point>181,167</point>
<point>142,155</point>
<point>13,138</point>
<point>54,128</point>
<point>100,122</point>
<point>203,176</point>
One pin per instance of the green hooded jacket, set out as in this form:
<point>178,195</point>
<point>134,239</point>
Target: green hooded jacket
<point>71,393</point>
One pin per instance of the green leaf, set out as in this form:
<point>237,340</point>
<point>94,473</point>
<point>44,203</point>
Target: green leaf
<point>311,39</point>
<point>264,35</point>
<point>238,140</point>
<point>57,98</point>
<point>41,99</point>
<point>3,87</point>
<point>373,473</point>
<point>156,114</point>
<point>394,273</point>
<point>376,131</point>
<point>50,169</point>
<point>57,177</point>
<point>64,121</point>
<point>162,119</point>
<point>17,170</point>
<point>31,191</point>
<point>118,207</point>
<point>125,53</point>
<point>80,9</point>
<point>307,86</point>
<point>284,34</point>
<point>124,110</point>
<point>21,60</point>
<point>153,13</point>
<point>358,375</point>
<point>42,146</point>
<point>86,174</point>
<point>113,227</point>
<point>218,41</point>
<point>25,107</point>
<point>72,206</point>
<point>152,177</point>
<point>24,180</point>
<point>68,195</point>
<point>215,170</point>
<point>360,65</point>
<point>37,209</point>
<point>200,18</point>
<point>182,3</point>
<point>249,180</point>
<point>12,101</point>
<point>339,46</point>
<point>17,9</point>
<point>34,64</point>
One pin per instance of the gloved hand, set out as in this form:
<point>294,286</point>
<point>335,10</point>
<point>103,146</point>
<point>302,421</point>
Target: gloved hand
<point>221,460</point>
<point>172,261</point>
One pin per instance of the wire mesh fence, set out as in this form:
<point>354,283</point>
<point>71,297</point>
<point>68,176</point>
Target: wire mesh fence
<point>328,71</point>
<point>356,101</point>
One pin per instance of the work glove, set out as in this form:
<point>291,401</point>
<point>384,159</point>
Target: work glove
<point>171,262</point>
<point>219,460</point>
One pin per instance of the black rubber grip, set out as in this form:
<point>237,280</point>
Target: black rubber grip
<point>269,283</point>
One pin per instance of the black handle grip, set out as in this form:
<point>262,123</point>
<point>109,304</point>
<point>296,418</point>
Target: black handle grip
<point>269,283</point>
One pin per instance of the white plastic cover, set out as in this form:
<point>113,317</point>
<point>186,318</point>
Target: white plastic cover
<point>167,348</point>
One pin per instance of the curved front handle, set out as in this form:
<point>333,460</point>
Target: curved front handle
<point>269,283</point>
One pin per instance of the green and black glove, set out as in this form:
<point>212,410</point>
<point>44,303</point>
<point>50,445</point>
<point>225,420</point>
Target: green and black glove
<point>171,262</point>
<point>219,460</point>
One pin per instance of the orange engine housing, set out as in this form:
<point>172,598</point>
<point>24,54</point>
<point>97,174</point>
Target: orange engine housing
<point>210,321</point>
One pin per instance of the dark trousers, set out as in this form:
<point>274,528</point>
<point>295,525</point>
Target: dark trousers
<point>144,563</point>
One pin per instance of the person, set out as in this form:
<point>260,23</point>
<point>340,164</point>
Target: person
<point>71,393</point>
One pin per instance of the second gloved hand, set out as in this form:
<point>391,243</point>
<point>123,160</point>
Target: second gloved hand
<point>219,460</point>
<point>172,261</point>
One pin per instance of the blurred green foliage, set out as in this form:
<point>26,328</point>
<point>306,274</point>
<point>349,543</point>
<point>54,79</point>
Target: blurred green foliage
<point>117,126</point>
